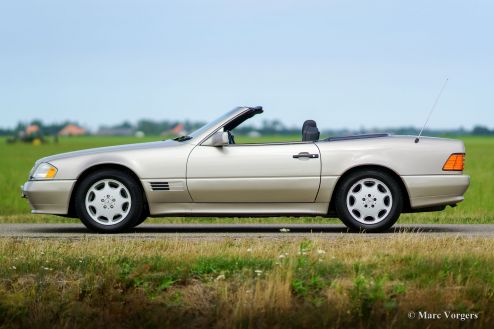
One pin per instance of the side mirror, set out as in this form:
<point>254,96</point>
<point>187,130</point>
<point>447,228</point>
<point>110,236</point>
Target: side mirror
<point>219,138</point>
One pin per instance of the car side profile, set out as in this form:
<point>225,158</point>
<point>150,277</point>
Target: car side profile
<point>365,180</point>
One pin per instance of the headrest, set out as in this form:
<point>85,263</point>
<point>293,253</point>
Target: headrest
<point>310,131</point>
<point>308,123</point>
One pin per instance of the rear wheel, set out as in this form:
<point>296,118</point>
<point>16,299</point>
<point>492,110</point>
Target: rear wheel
<point>109,201</point>
<point>369,200</point>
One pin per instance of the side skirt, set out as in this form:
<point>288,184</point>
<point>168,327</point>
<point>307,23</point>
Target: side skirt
<point>239,209</point>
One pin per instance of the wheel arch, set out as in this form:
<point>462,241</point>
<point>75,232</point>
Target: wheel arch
<point>101,166</point>
<point>389,171</point>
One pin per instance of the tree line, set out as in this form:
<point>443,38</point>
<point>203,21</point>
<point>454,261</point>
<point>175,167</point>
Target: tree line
<point>267,127</point>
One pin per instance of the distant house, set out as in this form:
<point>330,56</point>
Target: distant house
<point>178,130</point>
<point>31,130</point>
<point>72,130</point>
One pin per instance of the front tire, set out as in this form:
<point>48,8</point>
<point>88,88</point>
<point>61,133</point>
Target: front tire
<point>141,219</point>
<point>369,200</point>
<point>109,201</point>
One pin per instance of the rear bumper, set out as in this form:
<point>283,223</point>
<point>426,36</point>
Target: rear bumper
<point>48,197</point>
<point>436,190</point>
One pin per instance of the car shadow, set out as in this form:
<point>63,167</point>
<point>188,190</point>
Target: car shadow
<point>248,228</point>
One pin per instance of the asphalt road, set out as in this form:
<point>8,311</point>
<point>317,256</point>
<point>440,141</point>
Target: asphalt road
<point>219,231</point>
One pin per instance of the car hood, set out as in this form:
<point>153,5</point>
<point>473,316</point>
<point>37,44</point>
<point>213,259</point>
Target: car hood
<point>110,149</point>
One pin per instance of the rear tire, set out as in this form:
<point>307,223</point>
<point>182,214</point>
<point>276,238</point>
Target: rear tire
<point>109,201</point>
<point>369,200</point>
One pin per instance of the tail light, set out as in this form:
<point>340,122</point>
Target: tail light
<point>455,162</point>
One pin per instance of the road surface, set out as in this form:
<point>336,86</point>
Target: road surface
<point>217,231</point>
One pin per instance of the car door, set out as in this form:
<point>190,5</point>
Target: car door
<point>275,172</point>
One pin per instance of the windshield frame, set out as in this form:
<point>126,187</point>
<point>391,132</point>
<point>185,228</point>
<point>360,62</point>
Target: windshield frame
<point>201,134</point>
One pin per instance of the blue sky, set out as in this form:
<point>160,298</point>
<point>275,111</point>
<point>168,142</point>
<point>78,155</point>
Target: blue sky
<point>346,64</point>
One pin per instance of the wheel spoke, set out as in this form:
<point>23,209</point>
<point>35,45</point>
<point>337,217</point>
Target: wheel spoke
<point>91,198</point>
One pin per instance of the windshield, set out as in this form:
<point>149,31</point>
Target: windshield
<point>211,124</point>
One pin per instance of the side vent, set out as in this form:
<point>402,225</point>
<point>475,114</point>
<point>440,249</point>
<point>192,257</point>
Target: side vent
<point>160,186</point>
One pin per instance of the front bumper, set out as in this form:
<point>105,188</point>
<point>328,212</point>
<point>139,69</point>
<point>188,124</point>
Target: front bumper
<point>436,190</point>
<point>48,197</point>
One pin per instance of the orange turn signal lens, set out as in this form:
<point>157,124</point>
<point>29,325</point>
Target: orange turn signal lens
<point>51,172</point>
<point>455,162</point>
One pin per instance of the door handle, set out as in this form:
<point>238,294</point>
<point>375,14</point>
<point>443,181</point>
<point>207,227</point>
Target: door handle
<point>305,155</point>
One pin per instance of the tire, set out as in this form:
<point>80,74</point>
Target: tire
<point>369,200</point>
<point>141,220</point>
<point>109,201</point>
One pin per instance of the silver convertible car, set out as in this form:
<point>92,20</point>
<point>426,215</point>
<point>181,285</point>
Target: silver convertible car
<point>365,180</point>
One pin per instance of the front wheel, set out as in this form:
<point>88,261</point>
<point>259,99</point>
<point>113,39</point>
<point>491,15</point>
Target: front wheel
<point>109,201</point>
<point>369,200</point>
<point>141,219</point>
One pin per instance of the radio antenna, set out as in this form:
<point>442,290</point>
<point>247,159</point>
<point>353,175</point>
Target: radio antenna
<point>432,110</point>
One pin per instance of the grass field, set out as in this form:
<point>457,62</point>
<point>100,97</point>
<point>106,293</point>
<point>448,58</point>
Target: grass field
<point>355,282</point>
<point>16,161</point>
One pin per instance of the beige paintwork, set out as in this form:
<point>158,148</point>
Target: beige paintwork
<point>253,173</point>
<point>256,179</point>
<point>49,197</point>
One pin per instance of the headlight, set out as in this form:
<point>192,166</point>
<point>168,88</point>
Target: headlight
<point>45,171</point>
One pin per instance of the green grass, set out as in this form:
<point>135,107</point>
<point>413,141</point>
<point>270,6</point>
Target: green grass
<point>16,160</point>
<point>249,283</point>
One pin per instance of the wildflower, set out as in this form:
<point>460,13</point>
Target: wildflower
<point>249,249</point>
<point>258,272</point>
<point>14,268</point>
<point>321,252</point>
<point>281,256</point>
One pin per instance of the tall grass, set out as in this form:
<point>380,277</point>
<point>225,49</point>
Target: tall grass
<point>346,282</point>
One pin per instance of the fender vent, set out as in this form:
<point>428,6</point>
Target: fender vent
<point>160,186</point>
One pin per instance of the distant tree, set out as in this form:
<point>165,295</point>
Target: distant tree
<point>191,125</point>
<point>6,132</point>
<point>38,123</point>
<point>274,127</point>
<point>482,131</point>
<point>124,125</point>
<point>148,127</point>
<point>20,127</point>
<point>267,127</point>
